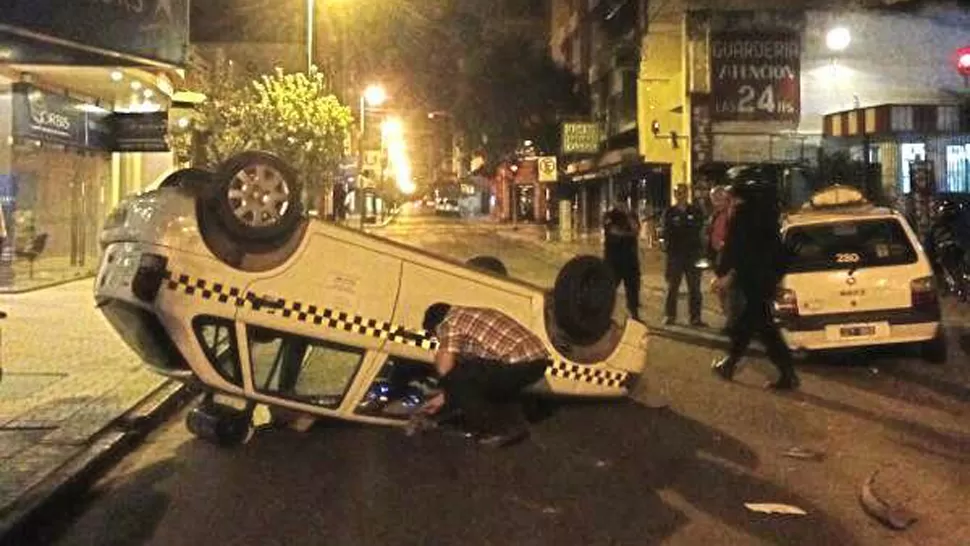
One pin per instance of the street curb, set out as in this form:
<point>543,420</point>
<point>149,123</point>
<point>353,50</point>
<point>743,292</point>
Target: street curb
<point>104,450</point>
<point>52,284</point>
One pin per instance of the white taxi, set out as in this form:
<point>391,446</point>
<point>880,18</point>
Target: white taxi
<point>857,276</point>
<point>217,279</point>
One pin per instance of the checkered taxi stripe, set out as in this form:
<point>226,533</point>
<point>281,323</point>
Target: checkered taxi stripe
<point>354,324</point>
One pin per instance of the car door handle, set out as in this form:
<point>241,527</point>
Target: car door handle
<point>268,301</point>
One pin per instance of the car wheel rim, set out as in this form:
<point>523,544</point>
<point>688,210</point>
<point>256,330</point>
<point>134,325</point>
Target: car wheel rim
<point>259,196</point>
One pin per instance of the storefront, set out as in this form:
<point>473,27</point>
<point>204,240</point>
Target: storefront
<point>898,137</point>
<point>752,87</point>
<point>84,93</point>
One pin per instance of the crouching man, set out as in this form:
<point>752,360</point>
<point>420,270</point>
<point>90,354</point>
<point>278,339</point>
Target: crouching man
<point>485,359</point>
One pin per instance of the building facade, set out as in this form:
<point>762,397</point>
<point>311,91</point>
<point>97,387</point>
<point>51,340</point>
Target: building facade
<point>81,85</point>
<point>742,82</point>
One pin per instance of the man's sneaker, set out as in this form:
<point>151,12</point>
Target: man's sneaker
<point>784,384</point>
<point>669,320</point>
<point>723,369</point>
<point>504,439</point>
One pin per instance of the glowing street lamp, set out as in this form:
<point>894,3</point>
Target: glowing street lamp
<point>838,39</point>
<point>373,96</point>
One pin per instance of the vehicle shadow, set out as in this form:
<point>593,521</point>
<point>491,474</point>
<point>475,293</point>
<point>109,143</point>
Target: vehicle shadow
<point>894,371</point>
<point>124,513</point>
<point>591,474</point>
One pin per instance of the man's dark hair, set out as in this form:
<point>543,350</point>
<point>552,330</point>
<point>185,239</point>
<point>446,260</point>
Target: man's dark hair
<point>434,316</point>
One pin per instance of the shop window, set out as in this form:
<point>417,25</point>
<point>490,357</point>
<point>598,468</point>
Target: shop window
<point>400,388</point>
<point>218,340</point>
<point>958,168</point>
<point>910,152</point>
<point>306,370</point>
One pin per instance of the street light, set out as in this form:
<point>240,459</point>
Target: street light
<point>373,96</point>
<point>838,39</point>
<point>310,20</point>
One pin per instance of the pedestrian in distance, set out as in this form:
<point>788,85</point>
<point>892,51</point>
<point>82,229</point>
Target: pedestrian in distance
<point>755,258</point>
<point>621,250</point>
<point>721,210</point>
<point>485,359</point>
<point>682,226</point>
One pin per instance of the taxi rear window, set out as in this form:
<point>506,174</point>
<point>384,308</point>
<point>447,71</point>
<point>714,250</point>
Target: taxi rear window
<point>848,245</point>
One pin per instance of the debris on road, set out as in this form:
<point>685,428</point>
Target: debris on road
<point>804,454</point>
<point>775,508</point>
<point>894,517</point>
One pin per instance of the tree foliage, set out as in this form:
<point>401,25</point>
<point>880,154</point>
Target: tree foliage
<point>292,115</point>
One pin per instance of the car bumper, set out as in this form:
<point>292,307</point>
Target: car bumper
<point>894,326</point>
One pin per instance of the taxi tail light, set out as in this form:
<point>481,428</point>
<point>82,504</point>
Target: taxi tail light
<point>786,303</point>
<point>148,279</point>
<point>923,292</point>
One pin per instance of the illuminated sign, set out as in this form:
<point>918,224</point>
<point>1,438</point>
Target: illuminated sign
<point>755,76</point>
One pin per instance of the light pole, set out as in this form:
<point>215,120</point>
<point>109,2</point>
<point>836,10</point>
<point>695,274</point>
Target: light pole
<point>373,96</point>
<point>310,20</point>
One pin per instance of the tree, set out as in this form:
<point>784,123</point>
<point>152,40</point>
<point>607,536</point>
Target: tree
<point>513,90</point>
<point>292,115</point>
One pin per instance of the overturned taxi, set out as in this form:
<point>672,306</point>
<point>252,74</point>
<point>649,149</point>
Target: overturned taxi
<point>218,279</point>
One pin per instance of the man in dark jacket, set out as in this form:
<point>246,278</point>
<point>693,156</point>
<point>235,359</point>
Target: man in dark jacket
<point>754,259</point>
<point>682,227</point>
<point>621,251</point>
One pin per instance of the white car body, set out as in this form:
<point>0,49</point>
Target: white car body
<point>878,296</point>
<point>338,286</point>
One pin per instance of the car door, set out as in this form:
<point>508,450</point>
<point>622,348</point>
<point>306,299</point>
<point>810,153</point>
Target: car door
<point>334,298</point>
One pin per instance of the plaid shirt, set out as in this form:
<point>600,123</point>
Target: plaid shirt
<point>488,334</point>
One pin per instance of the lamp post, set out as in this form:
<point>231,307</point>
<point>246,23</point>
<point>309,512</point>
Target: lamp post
<point>373,96</point>
<point>310,20</point>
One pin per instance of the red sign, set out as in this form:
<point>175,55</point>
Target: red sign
<point>963,61</point>
<point>756,76</point>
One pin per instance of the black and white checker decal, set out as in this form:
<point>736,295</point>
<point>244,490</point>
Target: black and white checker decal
<point>354,324</point>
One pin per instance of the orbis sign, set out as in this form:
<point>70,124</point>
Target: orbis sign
<point>756,76</point>
<point>151,29</point>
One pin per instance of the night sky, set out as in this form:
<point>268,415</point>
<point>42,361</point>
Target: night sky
<point>248,20</point>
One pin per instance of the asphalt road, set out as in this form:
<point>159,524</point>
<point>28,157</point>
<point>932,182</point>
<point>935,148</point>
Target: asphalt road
<point>595,473</point>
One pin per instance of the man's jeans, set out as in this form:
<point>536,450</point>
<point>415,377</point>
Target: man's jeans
<point>487,391</point>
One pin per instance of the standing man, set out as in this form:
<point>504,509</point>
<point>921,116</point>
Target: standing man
<point>485,359</point>
<point>682,226</point>
<point>717,235</point>
<point>755,258</point>
<point>621,250</point>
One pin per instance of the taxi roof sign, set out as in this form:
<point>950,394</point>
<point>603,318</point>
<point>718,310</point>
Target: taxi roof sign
<point>836,196</point>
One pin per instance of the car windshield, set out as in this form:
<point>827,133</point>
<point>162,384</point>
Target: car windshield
<point>848,245</point>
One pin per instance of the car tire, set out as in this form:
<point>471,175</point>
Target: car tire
<point>263,177</point>
<point>583,299</point>
<point>934,351</point>
<point>490,264</point>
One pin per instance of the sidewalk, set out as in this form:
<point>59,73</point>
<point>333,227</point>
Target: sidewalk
<point>72,396</point>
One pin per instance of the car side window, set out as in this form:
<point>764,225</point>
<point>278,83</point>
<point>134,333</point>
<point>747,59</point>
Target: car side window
<point>218,340</point>
<point>307,370</point>
<point>400,389</point>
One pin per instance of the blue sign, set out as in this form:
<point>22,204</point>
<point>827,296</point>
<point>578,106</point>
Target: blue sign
<point>150,29</point>
<point>48,117</point>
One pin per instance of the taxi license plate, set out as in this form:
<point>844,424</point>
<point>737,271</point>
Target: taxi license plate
<point>868,330</point>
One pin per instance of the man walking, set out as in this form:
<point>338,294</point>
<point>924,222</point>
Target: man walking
<point>755,259</point>
<point>622,253</point>
<point>682,226</point>
<point>485,359</point>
